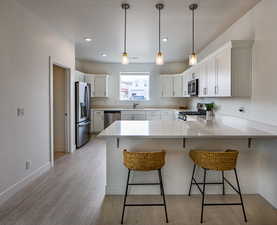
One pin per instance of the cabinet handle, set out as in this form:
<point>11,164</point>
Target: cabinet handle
<point>215,89</point>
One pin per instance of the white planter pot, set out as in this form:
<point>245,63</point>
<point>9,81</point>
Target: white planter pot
<point>209,115</point>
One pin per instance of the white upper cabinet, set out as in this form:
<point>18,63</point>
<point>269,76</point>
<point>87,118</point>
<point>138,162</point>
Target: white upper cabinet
<point>79,76</point>
<point>227,72</point>
<point>166,85</point>
<point>171,85</point>
<point>178,86</point>
<point>99,84</point>
<point>223,73</point>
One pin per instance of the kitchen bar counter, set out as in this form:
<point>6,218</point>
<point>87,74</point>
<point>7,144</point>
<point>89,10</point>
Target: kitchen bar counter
<point>177,138</point>
<point>136,109</point>
<point>219,127</point>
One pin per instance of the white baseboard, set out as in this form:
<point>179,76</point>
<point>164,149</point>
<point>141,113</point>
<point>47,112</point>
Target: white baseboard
<point>10,191</point>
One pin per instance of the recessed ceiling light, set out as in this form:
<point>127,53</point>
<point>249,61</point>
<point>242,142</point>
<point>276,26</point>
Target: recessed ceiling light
<point>165,39</point>
<point>103,54</point>
<point>88,39</point>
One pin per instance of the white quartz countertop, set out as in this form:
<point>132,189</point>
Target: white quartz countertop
<point>137,109</point>
<point>195,127</point>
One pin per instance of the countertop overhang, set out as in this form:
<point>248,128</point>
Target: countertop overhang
<point>219,127</point>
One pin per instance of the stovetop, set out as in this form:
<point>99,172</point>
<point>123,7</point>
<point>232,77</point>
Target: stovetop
<point>196,113</point>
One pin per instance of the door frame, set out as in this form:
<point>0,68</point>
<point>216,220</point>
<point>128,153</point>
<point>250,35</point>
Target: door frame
<point>68,105</point>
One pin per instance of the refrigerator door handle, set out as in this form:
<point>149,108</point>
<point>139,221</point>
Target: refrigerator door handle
<point>84,124</point>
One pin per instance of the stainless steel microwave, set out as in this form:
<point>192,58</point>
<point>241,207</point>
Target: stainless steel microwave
<point>193,87</point>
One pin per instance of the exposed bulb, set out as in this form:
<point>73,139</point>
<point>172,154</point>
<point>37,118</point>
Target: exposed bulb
<point>159,58</point>
<point>192,59</point>
<point>125,59</point>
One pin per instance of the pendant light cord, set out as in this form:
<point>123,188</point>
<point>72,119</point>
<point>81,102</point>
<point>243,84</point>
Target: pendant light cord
<point>125,26</point>
<point>159,30</point>
<point>193,31</point>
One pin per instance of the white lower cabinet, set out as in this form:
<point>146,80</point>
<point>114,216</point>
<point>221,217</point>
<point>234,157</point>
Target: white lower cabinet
<point>98,121</point>
<point>153,115</point>
<point>133,115</point>
<point>167,115</point>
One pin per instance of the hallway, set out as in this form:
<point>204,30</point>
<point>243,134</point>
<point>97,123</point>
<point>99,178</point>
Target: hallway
<point>73,194</point>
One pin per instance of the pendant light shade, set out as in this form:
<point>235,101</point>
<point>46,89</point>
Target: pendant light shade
<point>159,58</point>
<point>193,56</point>
<point>160,55</point>
<point>125,59</point>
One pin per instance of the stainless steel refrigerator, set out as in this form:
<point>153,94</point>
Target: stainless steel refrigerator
<point>82,113</point>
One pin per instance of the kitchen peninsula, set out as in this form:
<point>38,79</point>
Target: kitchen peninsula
<point>177,137</point>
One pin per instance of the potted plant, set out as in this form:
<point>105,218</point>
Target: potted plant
<point>209,108</point>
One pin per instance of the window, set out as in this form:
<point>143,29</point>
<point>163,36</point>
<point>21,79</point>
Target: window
<point>134,86</point>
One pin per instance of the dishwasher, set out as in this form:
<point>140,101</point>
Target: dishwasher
<point>110,117</point>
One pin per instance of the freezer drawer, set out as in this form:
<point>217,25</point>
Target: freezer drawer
<point>82,133</point>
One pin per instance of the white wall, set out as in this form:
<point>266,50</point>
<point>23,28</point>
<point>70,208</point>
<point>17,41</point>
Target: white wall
<point>26,43</point>
<point>258,24</point>
<point>114,71</point>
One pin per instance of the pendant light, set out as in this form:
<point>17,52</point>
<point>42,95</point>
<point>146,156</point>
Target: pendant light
<point>193,56</point>
<point>125,59</point>
<point>159,56</point>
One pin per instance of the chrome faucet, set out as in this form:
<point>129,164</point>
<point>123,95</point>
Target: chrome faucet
<point>135,105</point>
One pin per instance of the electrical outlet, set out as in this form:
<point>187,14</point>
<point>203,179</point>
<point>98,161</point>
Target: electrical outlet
<point>28,165</point>
<point>20,112</point>
<point>241,109</point>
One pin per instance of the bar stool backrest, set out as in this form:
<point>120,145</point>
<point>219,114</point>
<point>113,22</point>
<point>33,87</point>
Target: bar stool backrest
<point>215,160</point>
<point>144,161</point>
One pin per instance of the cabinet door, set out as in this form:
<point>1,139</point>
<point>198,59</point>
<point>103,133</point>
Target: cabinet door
<point>79,76</point>
<point>166,86</point>
<point>126,115</point>
<point>139,116</point>
<point>223,73</point>
<point>203,79</point>
<point>153,115</point>
<point>167,115</point>
<point>178,86</point>
<point>100,86</point>
<point>89,78</point>
<point>98,121</point>
<point>211,92</point>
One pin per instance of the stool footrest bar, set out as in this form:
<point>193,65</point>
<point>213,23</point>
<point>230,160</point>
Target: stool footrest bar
<point>149,204</point>
<point>144,184</point>
<point>206,183</point>
<point>215,204</point>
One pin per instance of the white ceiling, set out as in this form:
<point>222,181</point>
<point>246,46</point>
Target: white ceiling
<point>103,21</point>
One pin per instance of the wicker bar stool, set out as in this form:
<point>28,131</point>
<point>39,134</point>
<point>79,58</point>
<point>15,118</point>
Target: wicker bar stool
<point>219,161</point>
<point>144,161</point>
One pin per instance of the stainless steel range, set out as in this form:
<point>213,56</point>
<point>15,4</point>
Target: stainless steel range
<point>201,111</point>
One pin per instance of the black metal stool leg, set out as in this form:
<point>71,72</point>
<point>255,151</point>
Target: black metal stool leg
<point>223,184</point>
<point>203,195</point>
<point>162,189</point>
<point>242,205</point>
<point>192,176</point>
<point>125,196</point>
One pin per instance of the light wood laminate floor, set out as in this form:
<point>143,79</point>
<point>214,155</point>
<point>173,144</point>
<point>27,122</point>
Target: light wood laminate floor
<point>72,193</point>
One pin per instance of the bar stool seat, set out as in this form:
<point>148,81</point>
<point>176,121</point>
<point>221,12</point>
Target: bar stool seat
<point>218,161</point>
<point>144,161</point>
